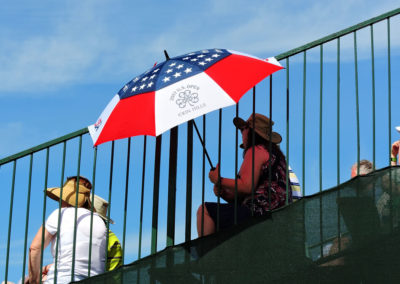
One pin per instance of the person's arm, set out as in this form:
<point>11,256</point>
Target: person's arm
<point>394,153</point>
<point>244,181</point>
<point>35,254</point>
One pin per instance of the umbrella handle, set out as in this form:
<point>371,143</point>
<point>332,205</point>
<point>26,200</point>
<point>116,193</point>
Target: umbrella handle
<point>204,146</point>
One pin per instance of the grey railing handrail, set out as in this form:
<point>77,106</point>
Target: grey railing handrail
<point>44,146</point>
<point>336,35</point>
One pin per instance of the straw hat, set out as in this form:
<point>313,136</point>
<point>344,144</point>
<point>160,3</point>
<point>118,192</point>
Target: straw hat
<point>261,127</point>
<point>69,193</point>
<point>101,206</point>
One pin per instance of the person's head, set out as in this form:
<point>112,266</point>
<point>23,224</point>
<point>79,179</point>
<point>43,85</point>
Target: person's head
<point>263,133</point>
<point>365,168</point>
<point>100,207</point>
<point>69,192</point>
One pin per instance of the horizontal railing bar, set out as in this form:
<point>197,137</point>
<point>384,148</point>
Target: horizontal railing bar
<point>44,146</point>
<point>338,34</point>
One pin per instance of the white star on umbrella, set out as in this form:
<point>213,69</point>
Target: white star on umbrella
<point>177,74</point>
<point>179,66</point>
<point>188,70</point>
<point>142,86</point>
<point>166,79</point>
<point>134,89</point>
<point>150,84</point>
<point>168,71</point>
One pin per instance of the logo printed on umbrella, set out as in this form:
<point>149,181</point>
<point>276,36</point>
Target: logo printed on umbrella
<point>187,98</point>
<point>97,124</point>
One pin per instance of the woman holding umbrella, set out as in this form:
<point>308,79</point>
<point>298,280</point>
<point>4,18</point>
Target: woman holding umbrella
<point>270,187</point>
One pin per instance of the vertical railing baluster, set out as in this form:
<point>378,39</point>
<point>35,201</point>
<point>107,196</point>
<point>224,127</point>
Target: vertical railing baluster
<point>219,167</point>
<point>287,131</point>
<point>189,181</point>
<point>373,95</point>
<point>10,219</point>
<point>44,212</point>
<point>304,123</point>
<point>76,208</point>
<point>253,135</point>
<point>338,134</point>
<point>142,197</point>
<point>109,196</point>
<point>28,202</point>
<point>303,163</point>
<point>203,173</point>
<point>173,155</point>
<point>59,210</point>
<point>156,192</point>
<point>91,210</point>
<point>128,160</point>
<point>236,166</point>
<point>321,69</point>
<point>270,145</point>
<point>357,102</point>
<point>389,92</point>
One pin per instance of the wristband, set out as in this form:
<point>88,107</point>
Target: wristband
<point>393,159</point>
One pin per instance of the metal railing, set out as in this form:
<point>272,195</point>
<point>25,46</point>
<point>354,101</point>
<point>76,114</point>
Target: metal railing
<point>154,185</point>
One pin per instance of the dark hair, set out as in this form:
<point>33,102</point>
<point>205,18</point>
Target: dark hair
<point>258,140</point>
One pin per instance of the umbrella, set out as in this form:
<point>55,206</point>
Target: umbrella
<point>178,90</point>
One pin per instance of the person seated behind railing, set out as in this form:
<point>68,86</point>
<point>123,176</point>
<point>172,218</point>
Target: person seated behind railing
<point>114,250</point>
<point>66,239</point>
<point>395,150</point>
<point>263,160</point>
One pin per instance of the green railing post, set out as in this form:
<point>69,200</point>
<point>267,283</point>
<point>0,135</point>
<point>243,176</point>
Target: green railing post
<point>28,202</point>
<point>189,180</point>
<point>128,158</point>
<point>173,155</point>
<point>389,91</point>
<point>59,210</point>
<point>156,192</point>
<point>10,220</point>
<point>44,211</point>
<point>287,130</point>
<point>76,208</point>
<point>357,102</point>
<point>142,197</point>
<point>91,210</point>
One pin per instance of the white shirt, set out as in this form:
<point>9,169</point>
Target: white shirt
<point>65,246</point>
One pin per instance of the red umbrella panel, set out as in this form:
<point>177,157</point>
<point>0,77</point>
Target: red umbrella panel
<point>178,90</point>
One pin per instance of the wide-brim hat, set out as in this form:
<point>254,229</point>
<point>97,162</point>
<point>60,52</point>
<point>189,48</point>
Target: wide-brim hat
<point>69,193</point>
<point>262,126</point>
<point>101,206</point>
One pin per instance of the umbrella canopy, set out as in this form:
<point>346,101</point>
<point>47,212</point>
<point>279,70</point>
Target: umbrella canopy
<point>178,90</point>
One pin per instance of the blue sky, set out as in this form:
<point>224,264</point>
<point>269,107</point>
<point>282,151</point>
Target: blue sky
<point>61,62</point>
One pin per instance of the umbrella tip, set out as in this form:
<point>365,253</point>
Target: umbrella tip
<point>166,55</point>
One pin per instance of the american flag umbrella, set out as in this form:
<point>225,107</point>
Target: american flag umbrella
<point>178,90</point>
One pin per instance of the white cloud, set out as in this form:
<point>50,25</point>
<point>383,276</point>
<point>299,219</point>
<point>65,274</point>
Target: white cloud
<point>89,42</point>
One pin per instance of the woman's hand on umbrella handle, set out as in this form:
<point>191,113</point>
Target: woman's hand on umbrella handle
<point>213,174</point>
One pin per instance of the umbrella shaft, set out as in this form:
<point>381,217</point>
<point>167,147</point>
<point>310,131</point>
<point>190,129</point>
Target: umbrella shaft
<point>202,143</point>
